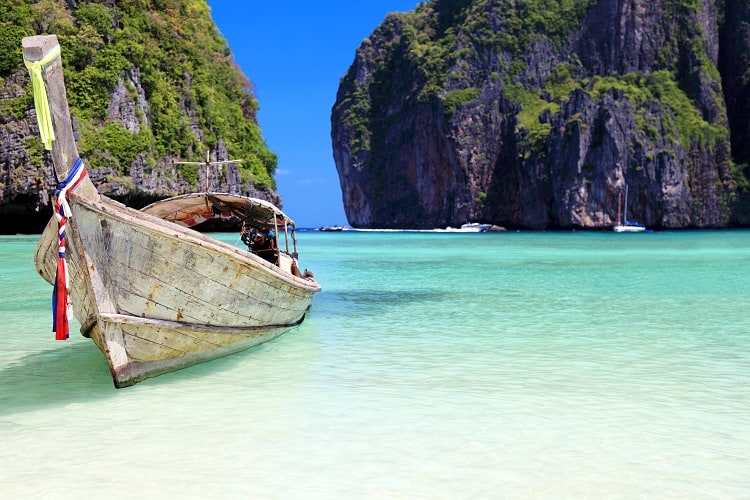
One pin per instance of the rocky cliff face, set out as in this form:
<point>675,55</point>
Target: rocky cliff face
<point>128,143</point>
<point>483,111</point>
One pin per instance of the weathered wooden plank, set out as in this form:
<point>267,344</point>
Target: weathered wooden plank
<point>197,282</point>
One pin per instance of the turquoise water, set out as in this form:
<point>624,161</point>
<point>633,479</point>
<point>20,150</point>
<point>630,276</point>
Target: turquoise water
<point>433,365</point>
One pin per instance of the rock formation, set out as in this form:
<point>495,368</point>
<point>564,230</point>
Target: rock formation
<point>537,114</point>
<point>146,88</point>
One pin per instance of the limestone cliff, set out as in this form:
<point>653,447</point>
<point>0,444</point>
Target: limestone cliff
<point>147,85</point>
<point>537,114</point>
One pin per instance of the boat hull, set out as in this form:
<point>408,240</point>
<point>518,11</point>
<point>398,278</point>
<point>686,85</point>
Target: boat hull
<point>138,348</point>
<point>156,297</point>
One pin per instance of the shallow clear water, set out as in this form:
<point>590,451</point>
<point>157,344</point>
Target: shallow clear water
<point>433,365</point>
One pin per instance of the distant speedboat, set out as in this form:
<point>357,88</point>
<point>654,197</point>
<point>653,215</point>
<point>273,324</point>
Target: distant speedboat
<point>475,227</point>
<point>470,227</point>
<point>623,224</point>
<point>331,229</point>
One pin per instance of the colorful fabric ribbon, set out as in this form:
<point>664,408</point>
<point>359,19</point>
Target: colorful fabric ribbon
<point>60,300</point>
<point>43,116</point>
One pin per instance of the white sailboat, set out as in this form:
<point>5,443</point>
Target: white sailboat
<point>623,224</point>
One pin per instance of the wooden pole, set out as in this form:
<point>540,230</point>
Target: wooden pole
<point>64,150</point>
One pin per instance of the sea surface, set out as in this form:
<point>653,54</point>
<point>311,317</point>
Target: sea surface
<point>432,365</point>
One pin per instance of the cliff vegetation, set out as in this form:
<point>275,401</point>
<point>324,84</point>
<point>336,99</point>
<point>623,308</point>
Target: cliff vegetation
<point>149,82</point>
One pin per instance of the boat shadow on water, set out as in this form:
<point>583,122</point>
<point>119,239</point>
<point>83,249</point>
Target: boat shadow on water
<point>354,303</point>
<point>54,377</point>
<point>78,374</point>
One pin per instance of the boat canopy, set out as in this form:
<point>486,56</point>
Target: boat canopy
<point>192,209</point>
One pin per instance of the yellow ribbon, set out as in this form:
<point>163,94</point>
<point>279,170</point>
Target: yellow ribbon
<point>41,104</point>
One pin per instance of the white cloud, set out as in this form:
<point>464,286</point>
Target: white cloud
<point>309,182</point>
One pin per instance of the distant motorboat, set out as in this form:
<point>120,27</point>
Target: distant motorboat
<point>475,227</point>
<point>623,224</point>
<point>469,227</point>
<point>332,229</point>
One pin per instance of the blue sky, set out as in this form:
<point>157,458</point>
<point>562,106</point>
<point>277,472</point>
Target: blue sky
<point>295,53</point>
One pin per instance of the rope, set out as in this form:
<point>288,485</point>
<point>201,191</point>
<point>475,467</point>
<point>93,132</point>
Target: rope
<point>60,295</point>
<point>41,104</point>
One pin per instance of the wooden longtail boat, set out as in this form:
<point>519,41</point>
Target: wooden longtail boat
<point>153,294</point>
